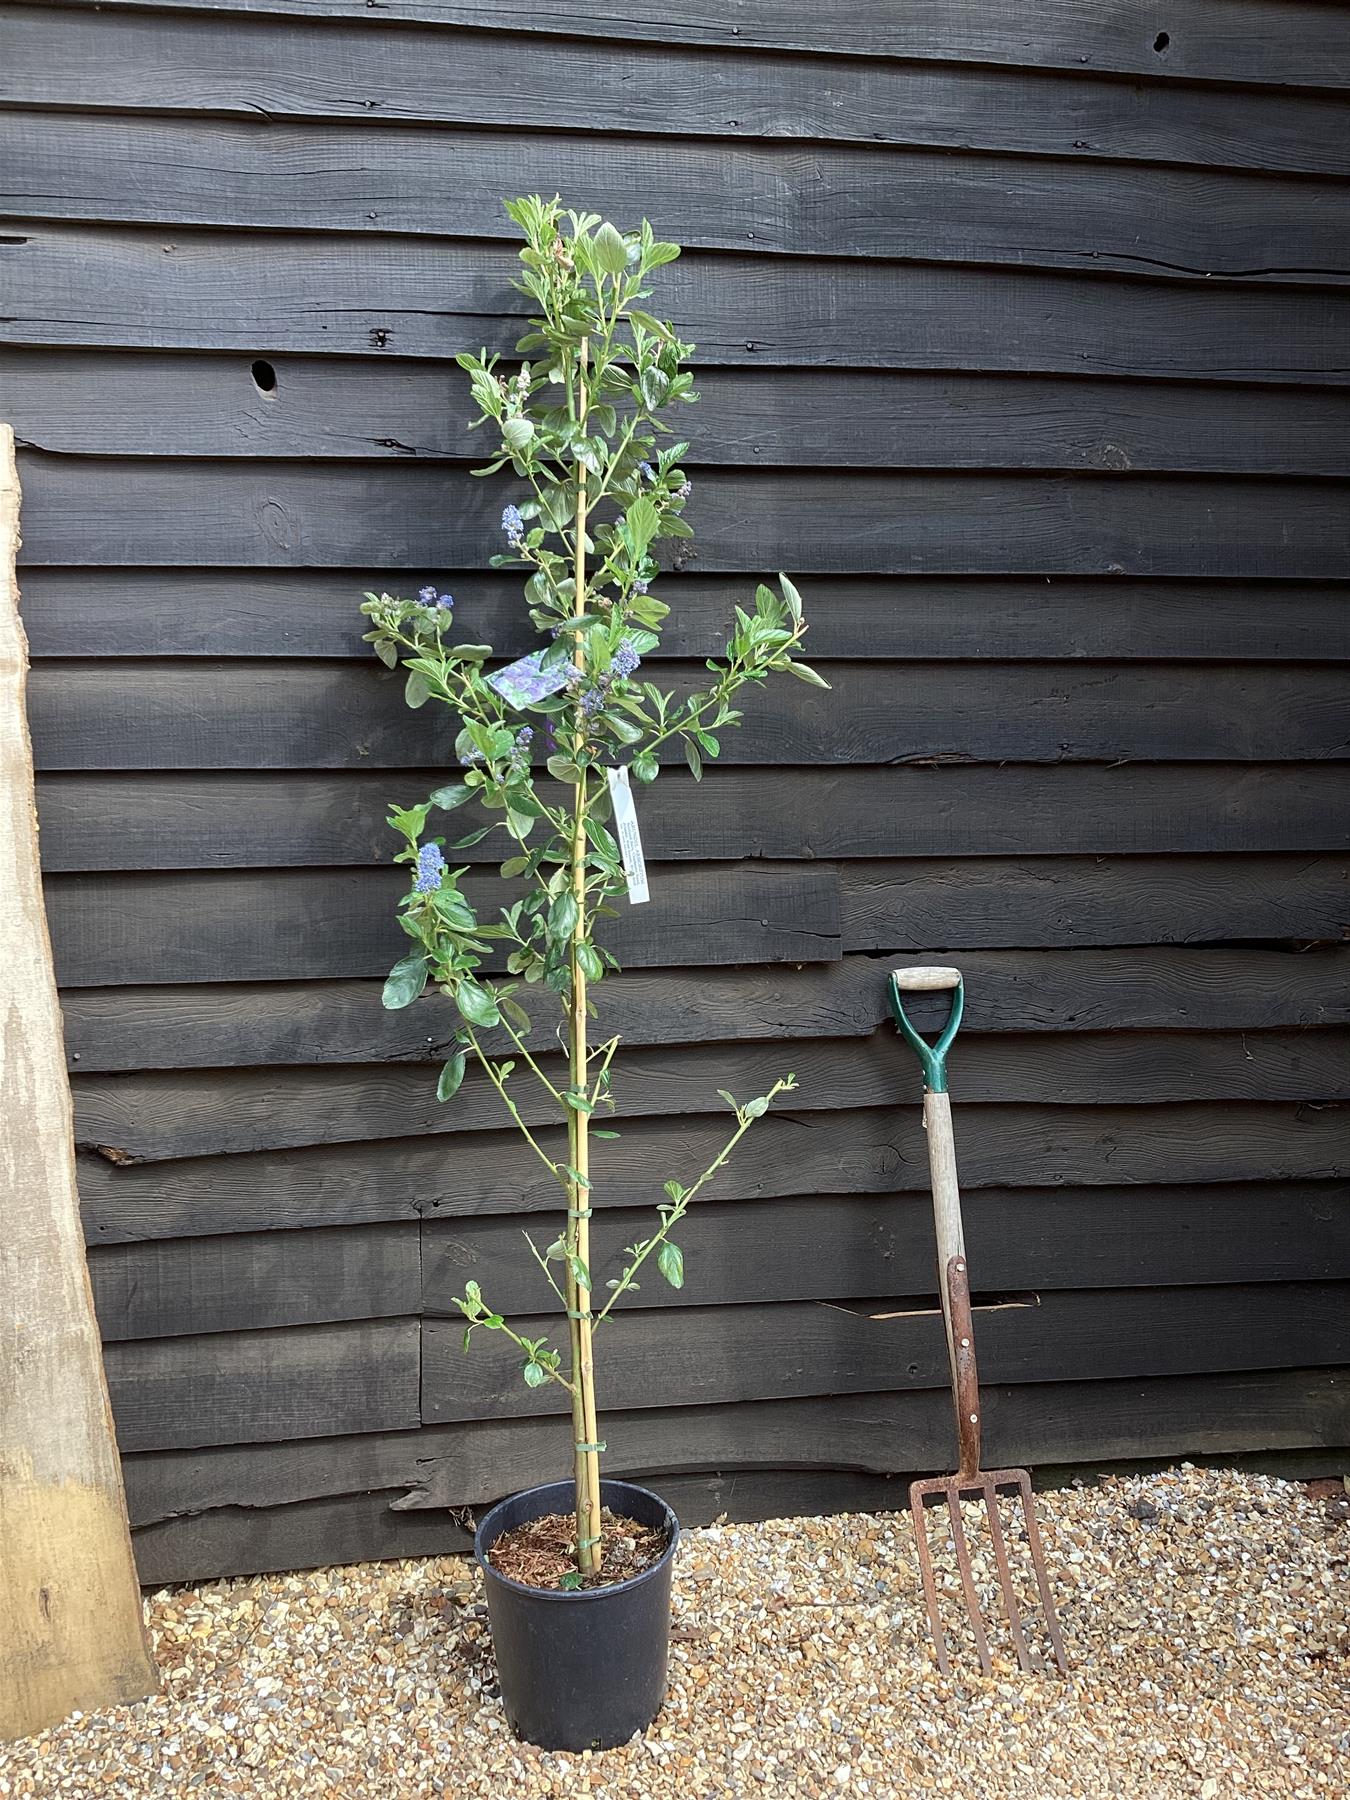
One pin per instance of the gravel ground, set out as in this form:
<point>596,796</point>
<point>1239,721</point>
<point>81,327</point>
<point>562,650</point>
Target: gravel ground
<point>1205,1615</point>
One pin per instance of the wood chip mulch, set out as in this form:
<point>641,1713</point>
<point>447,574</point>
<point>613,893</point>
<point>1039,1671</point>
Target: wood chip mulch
<point>540,1554</point>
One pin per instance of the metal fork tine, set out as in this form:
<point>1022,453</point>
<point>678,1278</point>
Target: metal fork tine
<point>1042,1579</point>
<point>1027,1661</point>
<point>929,1584</point>
<point>968,1579</point>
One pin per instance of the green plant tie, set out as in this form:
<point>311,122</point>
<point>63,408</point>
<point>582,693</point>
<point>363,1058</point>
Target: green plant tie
<point>580,1213</point>
<point>597,1448</point>
<point>588,1314</point>
<point>587,1543</point>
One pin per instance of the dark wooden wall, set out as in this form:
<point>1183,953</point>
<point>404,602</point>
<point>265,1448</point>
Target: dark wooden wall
<point>1023,333</point>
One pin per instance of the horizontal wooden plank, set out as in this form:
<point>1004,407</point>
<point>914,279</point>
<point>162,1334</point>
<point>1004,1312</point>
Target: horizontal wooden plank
<point>278,925</point>
<point>1308,48</point>
<point>736,1253</point>
<point>272,612</point>
<point>82,402</point>
<point>1168,900</point>
<point>818,200</point>
<point>275,291</point>
<point>266,927</point>
<point>852,1247</point>
<point>880,1434</point>
<point>312,715</point>
<point>259,1386</point>
<point>117,1030</point>
<point>877,1150</point>
<point>94,511</point>
<point>194,1113</point>
<point>251,66</point>
<point>207,820</point>
<point>244,1283</point>
<point>250,1540</point>
<point>705,1355</point>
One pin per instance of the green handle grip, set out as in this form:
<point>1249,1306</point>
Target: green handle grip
<point>932,1056</point>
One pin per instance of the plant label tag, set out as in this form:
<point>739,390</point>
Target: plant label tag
<point>521,683</point>
<point>626,830</point>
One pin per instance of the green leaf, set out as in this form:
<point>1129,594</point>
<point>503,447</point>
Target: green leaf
<point>562,917</point>
<point>561,768</point>
<point>793,598</point>
<point>415,690</point>
<point>405,981</point>
<point>476,1003</point>
<point>624,730</point>
<point>535,1374</point>
<point>756,1109</point>
<point>580,1273</point>
<point>610,251</point>
<point>570,1582</point>
<point>695,761</point>
<point>448,798</point>
<point>670,1261</point>
<point>514,865</point>
<point>646,767</point>
<point>596,1132</point>
<point>643,522</point>
<point>451,1076</point>
<point>515,1012</point>
<point>804,672</point>
<point>518,433</point>
<point>589,961</point>
<point>675,1191</point>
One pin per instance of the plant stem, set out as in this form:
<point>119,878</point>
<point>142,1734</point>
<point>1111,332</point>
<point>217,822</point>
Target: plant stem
<point>584,1424</point>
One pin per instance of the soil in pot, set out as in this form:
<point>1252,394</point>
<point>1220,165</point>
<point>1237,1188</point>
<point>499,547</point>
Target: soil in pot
<point>541,1553</point>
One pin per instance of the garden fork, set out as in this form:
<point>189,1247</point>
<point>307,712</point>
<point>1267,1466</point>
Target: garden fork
<point>970,1481</point>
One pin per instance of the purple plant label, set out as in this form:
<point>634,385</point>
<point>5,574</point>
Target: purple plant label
<point>521,683</point>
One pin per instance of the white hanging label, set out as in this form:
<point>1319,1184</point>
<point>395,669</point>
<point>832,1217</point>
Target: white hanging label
<point>626,831</point>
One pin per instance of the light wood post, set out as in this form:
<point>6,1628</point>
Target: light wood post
<point>70,1610</point>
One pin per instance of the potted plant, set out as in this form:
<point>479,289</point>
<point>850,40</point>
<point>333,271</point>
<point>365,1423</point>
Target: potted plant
<point>577,1572</point>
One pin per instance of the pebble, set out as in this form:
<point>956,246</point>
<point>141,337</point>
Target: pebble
<point>1204,1614</point>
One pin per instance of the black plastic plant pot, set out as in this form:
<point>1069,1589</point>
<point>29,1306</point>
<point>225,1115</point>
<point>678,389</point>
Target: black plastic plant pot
<point>580,1670</point>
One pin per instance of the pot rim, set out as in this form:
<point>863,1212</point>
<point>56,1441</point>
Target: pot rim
<point>573,1595</point>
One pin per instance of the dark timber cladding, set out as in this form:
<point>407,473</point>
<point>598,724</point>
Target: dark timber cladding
<point>1022,346</point>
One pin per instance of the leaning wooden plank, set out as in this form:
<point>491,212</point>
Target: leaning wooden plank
<point>828,521</point>
<point>1290,45</point>
<point>244,1283</point>
<point>723,1353</point>
<point>81,403</point>
<point>877,1150</point>
<point>258,1386</point>
<point>153,1117</point>
<point>73,1636</point>
<point>343,178</point>
<point>849,1247</point>
<point>244,66</point>
<point>308,715</point>
<point>342,921</point>
<point>272,612</point>
<point>891,1433</point>
<point>1206,988</point>
<point>277,291</point>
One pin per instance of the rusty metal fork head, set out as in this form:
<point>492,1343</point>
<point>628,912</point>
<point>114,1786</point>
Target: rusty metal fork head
<point>985,1485</point>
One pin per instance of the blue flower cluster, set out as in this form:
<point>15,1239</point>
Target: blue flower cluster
<point>625,660</point>
<point>429,597</point>
<point>648,470</point>
<point>514,526</point>
<point>431,865</point>
<point>520,750</point>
